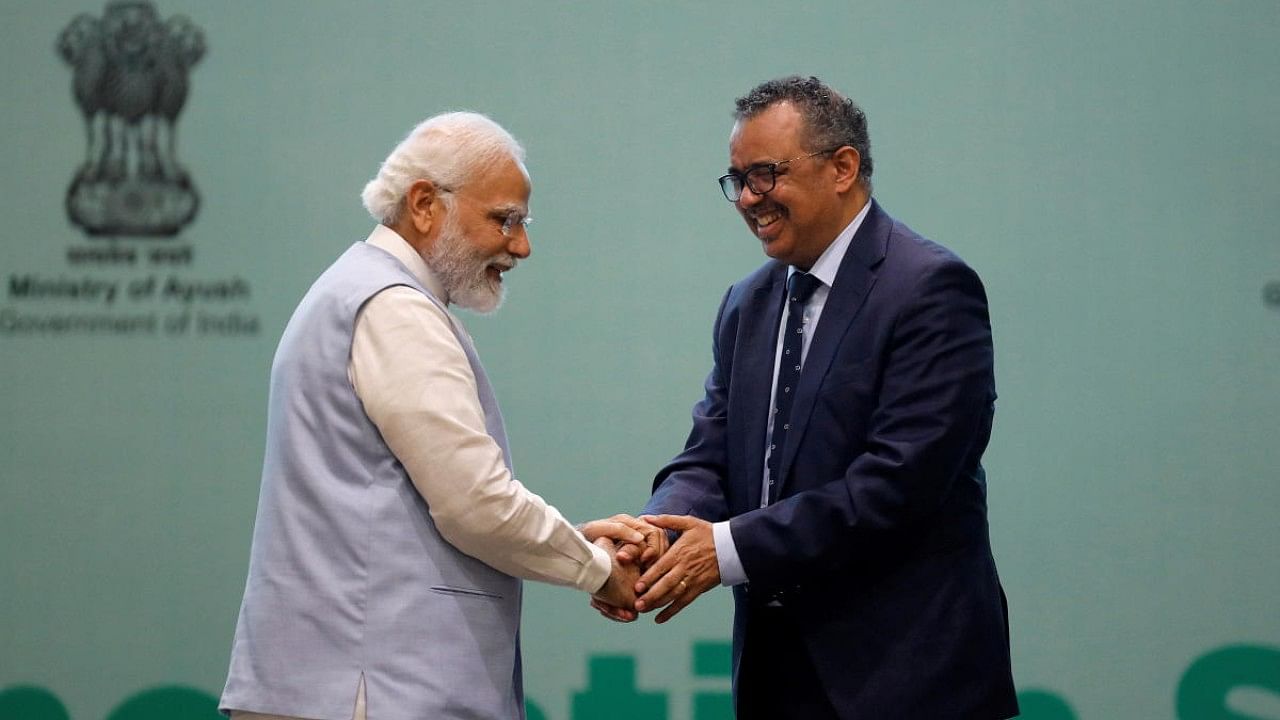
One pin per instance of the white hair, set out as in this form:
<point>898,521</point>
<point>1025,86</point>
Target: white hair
<point>449,149</point>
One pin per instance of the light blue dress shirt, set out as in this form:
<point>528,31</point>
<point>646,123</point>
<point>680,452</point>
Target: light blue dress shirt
<point>825,269</point>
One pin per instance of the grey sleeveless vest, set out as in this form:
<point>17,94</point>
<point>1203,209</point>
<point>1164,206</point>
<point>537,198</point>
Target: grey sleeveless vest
<point>348,574</point>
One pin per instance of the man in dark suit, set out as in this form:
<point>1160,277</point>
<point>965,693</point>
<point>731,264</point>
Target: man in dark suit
<point>832,476</point>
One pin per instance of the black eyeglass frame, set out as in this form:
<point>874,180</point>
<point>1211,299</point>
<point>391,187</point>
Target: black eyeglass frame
<point>733,182</point>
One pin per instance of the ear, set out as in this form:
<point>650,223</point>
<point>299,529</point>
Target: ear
<point>421,207</point>
<point>846,161</point>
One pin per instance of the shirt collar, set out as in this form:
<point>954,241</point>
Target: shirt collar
<point>384,238</point>
<point>828,263</point>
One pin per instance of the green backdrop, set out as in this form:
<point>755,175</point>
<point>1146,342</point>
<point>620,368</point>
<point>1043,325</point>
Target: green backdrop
<point>1109,168</point>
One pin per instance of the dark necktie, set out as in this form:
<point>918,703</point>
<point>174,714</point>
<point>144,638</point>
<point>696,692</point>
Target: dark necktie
<point>799,288</point>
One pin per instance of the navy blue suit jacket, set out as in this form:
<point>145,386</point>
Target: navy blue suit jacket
<point>879,536</point>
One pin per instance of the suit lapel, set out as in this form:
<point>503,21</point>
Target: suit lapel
<point>757,346</point>
<point>853,281</point>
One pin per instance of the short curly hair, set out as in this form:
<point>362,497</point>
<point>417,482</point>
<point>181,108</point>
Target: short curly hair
<point>832,120</point>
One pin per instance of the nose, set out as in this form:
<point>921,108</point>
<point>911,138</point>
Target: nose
<point>519,243</point>
<point>748,197</point>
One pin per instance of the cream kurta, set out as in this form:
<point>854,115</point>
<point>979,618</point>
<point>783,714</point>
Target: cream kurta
<point>418,389</point>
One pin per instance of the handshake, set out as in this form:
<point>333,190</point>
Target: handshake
<point>649,571</point>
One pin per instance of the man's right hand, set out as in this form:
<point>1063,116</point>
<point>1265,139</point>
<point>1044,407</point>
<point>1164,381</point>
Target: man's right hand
<point>616,599</point>
<point>638,541</point>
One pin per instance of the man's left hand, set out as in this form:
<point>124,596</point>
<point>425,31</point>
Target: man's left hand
<point>685,571</point>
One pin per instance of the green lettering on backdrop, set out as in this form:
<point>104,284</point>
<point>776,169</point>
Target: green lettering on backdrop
<point>1202,694</point>
<point>1044,705</point>
<point>713,659</point>
<point>611,692</point>
<point>168,703</point>
<point>31,703</point>
<point>162,703</point>
<point>532,711</point>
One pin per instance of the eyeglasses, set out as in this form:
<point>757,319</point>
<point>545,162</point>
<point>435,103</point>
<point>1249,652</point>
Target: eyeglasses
<point>514,218</point>
<point>760,178</point>
<point>506,219</point>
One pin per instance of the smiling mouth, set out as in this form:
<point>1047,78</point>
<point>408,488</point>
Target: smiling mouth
<point>765,219</point>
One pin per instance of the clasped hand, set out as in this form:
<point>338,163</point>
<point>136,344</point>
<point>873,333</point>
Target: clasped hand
<point>673,576</point>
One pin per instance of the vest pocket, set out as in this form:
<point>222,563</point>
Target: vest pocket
<point>464,592</point>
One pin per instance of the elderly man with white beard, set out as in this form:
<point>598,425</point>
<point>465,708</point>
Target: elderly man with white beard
<point>391,533</point>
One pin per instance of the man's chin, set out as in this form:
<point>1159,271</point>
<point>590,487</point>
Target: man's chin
<point>481,300</point>
<point>774,248</point>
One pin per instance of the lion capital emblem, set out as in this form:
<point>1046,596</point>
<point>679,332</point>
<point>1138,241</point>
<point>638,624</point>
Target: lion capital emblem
<point>129,79</point>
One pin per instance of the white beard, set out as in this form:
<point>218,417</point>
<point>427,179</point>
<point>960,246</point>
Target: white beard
<point>464,271</point>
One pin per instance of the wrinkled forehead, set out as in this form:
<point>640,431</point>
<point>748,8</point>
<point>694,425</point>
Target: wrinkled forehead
<point>504,183</point>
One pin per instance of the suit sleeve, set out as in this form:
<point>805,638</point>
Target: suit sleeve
<point>694,482</point>
<point>931,421</point>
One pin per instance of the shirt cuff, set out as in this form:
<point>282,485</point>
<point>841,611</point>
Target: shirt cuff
<point>731,572</point>
<point>596,572</point>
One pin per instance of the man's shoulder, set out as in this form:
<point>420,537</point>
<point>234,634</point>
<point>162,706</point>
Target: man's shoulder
<point>908,252</point>
<point>916,268</point>
<point>366,269</point>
